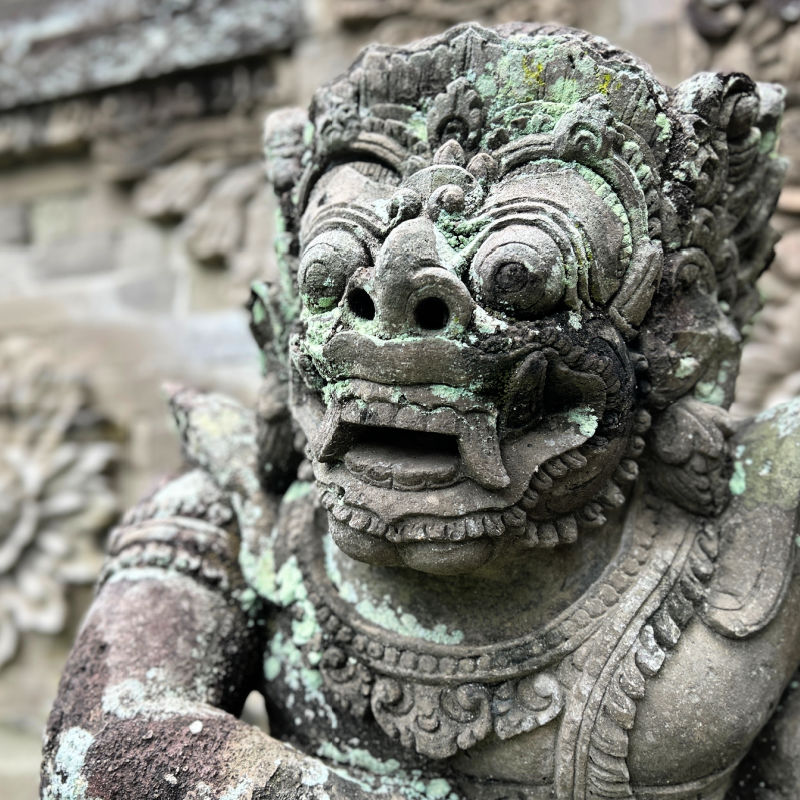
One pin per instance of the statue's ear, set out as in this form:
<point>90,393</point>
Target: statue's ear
<point>725,178</point>
<point>285,140</point>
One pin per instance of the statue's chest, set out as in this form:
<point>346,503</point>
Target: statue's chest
<point>551,712</point>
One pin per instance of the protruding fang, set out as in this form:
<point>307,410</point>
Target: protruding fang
<point>324,444</point>
<point>480,452</point>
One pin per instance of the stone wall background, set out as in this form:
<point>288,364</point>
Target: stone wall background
<point>133,216</point>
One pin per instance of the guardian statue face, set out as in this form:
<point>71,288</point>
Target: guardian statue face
<point>470,265</point>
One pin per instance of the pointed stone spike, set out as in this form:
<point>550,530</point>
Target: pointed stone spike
<point>480,452</point>
<point>324,444</point>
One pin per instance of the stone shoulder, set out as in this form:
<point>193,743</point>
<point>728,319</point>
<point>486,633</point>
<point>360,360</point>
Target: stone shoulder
<point>758,529</point>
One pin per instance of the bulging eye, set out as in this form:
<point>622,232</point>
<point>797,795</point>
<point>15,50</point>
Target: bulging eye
<point>519,270</point>
<point>325,267</point>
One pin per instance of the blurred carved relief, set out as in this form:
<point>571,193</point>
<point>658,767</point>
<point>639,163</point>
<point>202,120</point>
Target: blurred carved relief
<point>55,496</point>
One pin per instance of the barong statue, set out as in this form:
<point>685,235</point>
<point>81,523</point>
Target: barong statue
<point>490,532</point>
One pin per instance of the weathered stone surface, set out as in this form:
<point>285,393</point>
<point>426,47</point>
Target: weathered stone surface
<point>450,11</point>
<point>763,39</point>
<point>14,224</point>
<point>524,550</point>
<point>80,255</point>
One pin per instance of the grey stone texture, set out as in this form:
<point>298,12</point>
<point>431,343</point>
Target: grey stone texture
<point>763,39</point>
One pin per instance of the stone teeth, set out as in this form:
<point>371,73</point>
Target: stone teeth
<point>531,537</point>
<point>457,530</point>
<point>529,499</point>
<point>380,414</point>
<point>377,527</point>
<point>493,526</point>
<point>612,495</point>
<point>474,527</point>
<point>352,411</point>
<point>555,468</point>
<point>413,532</point>
<point>574,459</point>
<point>359,520</point>
<point>592,515</point>
<point>636,446</point>
<point>394,535</point>
<point>341,512</point>
<point>548,535</point>
<point>480,452</point>
<point>436,530</point>
<point>627,470</point>
<point>377,476</point>
<point>541,481</point>
<point>567,528</point>
<point>514,518</point>
<point>642,421</point>
<point>443,421</point>
<point>324,444</point>
<point>327,500</point>
<point>407,417</point>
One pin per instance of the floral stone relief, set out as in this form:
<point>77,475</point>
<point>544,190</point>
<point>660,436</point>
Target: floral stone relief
<point>55,497</point>
<point>490,531</point>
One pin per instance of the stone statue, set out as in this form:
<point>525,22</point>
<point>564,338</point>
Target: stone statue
<point>490,532</point>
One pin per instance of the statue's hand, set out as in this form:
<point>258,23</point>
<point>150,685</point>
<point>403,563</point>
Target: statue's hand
<point>196,752</point>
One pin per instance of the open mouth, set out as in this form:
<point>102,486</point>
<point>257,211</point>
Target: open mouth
<point>409,439</point>
<point>396,458</point>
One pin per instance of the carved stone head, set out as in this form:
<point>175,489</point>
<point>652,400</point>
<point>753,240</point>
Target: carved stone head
<point>504,252</point>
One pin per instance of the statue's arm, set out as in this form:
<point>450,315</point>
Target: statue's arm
<point>164,661</point>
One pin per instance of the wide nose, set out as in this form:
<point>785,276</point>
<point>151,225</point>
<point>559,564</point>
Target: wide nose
<point>411,291</point>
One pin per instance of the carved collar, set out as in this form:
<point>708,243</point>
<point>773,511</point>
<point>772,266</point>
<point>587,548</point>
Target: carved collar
<point>588,665</point>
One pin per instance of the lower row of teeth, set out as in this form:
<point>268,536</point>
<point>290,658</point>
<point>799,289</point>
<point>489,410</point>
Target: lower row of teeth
<point>473,526</point>
<point>563,530</point>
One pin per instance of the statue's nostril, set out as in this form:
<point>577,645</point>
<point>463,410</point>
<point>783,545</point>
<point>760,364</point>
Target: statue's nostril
<point>361,304</point>
<point>431,314</point>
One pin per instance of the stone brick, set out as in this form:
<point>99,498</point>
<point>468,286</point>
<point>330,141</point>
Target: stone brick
<point>80,255</point>
<point>14,224</point>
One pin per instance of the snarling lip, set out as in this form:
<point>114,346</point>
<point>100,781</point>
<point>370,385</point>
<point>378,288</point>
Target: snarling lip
<point>411,439</point>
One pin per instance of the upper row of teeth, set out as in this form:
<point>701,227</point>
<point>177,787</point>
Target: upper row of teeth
<point>479,446</point>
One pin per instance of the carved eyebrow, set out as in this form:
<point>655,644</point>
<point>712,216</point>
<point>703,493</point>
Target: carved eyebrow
<point>357,160</point>
<point>519,207</point>
<point>358,219</point>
